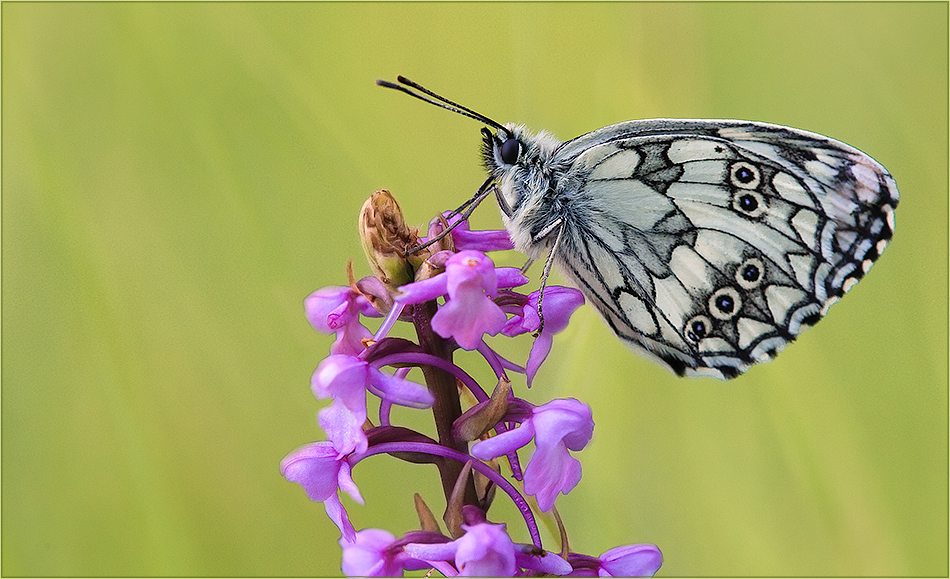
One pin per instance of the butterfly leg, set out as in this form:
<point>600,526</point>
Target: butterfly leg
<point>503,203</point>
<point>547,268</point>
<point>465,210</point>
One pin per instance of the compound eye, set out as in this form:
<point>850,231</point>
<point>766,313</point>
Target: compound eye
<point>510,151</point>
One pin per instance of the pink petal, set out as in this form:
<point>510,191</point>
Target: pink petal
<point>559,304</point>
<point>471,269</point>
<point>400,391</point>
<point>340,376</point>
<point>315,468</point>
<point>486,240</point>
<point>485,550</point>
<point>327,301</point>
<point>431,551</point>
<point>539,352</point>
<point>503,443</point>
<point>509,277</point>
<point>549,563</point>
<point>349,340</point>
<point>642,560</point>
<point>345,481</point>
<point>550,473</point>
<point>422,291</point>
<point>338,515</point>
<point>565,419</point>
<point>366,557</point>
<point>344,428</point>
<point>467,317</point>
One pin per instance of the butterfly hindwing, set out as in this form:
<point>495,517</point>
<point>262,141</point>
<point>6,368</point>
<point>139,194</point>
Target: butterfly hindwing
<point>710,245</point>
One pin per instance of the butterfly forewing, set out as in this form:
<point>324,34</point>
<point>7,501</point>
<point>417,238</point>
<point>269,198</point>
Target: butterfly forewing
<point>709,245</point>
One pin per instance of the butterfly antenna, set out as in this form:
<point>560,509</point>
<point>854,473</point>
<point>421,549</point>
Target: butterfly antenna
<point>423,89</point>
<point>440,101</point>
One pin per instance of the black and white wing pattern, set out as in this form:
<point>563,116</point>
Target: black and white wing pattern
<point>707,245</point>
<point>710,245</point>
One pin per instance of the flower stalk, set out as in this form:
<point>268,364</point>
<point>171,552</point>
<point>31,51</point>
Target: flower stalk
<point>447,407</point>
<point>454,296</point>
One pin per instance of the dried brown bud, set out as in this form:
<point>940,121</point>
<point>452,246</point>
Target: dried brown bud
<point>386,237</point>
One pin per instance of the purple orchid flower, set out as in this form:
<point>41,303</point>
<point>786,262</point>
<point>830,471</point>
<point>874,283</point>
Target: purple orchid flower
<point>337,310</point>
<point>377,553</point>
<point>642,560</point>
<point>559,303</point>
<point>460,296</point>
<point>322,473</point>
<point>464,238</point>
<point>346,379</point>
<point>486,550</point>
<point>557,428</point>
<point>470,281</point>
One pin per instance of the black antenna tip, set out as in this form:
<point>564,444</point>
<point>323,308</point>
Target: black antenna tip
<point>439,101</point>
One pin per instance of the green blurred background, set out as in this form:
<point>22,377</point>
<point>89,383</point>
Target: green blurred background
<point>178,177</point>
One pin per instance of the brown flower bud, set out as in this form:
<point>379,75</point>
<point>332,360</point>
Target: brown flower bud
<point>386,238</point>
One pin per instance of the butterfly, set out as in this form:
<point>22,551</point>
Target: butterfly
<point>705,245</point>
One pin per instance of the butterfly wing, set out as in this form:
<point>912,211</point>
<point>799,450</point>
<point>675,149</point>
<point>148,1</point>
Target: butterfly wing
<point>710,245</point>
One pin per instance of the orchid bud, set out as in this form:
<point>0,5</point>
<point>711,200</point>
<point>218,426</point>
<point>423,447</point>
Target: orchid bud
<point>386,237</point>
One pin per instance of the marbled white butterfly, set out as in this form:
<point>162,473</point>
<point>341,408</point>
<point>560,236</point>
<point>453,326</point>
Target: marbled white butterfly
<point>706,245</point>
